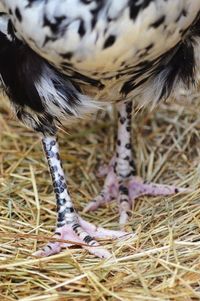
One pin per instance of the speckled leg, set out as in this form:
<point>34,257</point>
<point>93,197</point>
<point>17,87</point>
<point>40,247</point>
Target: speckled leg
<point>121,182</point>
<point>70,226</point>
<point>124,166</point>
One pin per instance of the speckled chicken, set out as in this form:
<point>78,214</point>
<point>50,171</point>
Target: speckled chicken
<point>62,59</point>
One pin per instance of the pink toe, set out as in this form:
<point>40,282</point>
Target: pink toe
<point>99,232</point>
<point>92,206</point>
<point>137,189</point>
<point>99,252</point>
<point>50,249</point>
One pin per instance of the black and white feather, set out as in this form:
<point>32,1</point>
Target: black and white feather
<point>59,60</point>
<point>40,94</point>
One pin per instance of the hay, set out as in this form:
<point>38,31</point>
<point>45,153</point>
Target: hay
<point>161,263</point>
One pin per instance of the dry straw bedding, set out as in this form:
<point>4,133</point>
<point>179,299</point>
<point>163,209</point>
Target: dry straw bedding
<point>161,263</point>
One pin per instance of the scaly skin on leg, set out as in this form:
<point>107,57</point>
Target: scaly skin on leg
<point>124,166</point>
<point>69,225</point>
<point>121,182</point>
<point>121,169</point>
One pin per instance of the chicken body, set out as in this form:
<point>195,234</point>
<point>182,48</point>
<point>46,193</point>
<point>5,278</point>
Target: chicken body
<point>59,60</point>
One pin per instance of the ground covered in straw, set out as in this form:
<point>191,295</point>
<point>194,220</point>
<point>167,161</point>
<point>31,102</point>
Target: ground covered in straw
<point>161,263</point>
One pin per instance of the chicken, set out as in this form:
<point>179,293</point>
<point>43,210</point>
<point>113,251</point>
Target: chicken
<point>62,59</point>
